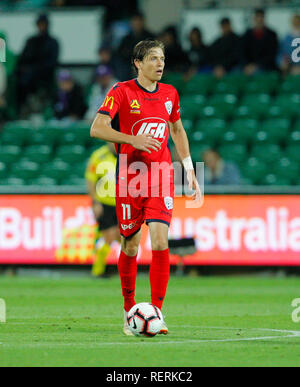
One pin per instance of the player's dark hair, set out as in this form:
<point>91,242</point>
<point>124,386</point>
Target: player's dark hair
<point>212,150</point>
<point>42,18</point>
<point>225,21</point>
<point>138,15</point>
<point>142,49</point>
<point>259,12</point>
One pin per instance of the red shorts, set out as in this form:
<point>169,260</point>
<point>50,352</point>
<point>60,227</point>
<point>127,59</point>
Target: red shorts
<point>133,212</point>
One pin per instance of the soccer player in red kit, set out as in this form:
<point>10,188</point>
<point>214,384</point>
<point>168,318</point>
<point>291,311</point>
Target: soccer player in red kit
<point>136,116</point>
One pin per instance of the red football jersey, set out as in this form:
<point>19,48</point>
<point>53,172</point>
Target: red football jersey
<point>135,110</point>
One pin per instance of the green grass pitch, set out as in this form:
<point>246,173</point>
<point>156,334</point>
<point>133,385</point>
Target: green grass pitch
<point>213,321</point>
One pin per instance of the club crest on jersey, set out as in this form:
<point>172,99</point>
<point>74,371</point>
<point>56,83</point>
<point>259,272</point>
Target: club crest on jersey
<point>169,106</point>
<point>168,203</point>
<point>135,107</point>
<point>155,126</point>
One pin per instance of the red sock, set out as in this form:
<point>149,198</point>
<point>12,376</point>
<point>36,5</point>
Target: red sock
<point>159,276</point>
<point>128,269</point>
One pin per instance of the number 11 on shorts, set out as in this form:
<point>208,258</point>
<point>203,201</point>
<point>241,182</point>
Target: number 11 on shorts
<point>126,211</point>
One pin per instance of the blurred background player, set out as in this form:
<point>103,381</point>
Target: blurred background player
<point>100,177</point>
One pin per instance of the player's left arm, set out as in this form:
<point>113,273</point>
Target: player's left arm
<point>181,142</point>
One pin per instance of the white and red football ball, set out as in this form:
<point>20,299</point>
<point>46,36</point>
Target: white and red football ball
<point>145,319</point>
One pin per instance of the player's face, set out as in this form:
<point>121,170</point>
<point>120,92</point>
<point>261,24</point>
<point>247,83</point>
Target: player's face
<point>152,66</point>
<point>259,20</point>
<point>211,160</point>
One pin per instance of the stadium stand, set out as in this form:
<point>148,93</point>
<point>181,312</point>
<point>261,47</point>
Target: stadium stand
<point>252,121</point>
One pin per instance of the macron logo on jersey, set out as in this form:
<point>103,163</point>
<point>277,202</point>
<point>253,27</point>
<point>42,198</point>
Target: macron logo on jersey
<point>155,126</point>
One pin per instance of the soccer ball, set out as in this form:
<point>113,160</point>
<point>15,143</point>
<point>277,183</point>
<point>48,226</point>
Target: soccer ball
<point>145,319</point>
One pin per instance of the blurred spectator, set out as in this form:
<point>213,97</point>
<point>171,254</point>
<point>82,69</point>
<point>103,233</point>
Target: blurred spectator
<point>260,46</point>
<point>198,53</point>
<point>37,63</point>
<point>226,51</point>
<point>3,81</point>
<point>7,82</point>
<point>285,58</point>
<point>138,33</point>
<point>105,55</point>
<point>176,58</point>
<point>107,58</point>
<point>103,83</point>
<point>11,59</point>
<point>3,84</point>
<point>218,171</point>
<point>69,103</point>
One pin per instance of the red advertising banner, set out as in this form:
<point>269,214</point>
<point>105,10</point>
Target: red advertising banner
<point>229,230</point>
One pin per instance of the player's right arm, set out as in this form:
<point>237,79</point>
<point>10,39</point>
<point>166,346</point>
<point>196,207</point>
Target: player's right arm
<point>102,129</point>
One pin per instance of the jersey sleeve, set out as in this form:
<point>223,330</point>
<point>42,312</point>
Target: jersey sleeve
<point>175,115</point>
<point>112,102</point>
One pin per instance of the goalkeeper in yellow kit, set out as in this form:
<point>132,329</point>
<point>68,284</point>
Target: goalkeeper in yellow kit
<point>100,177</point>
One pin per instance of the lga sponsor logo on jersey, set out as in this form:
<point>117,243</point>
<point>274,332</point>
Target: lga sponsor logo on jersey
<point>169,202</point>
<point>169,107</point>
<point>152,125</point>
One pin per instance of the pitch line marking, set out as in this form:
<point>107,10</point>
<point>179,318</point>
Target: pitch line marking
<point>289,334</point>
<point>56,325</point>
<point>293,335</point>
